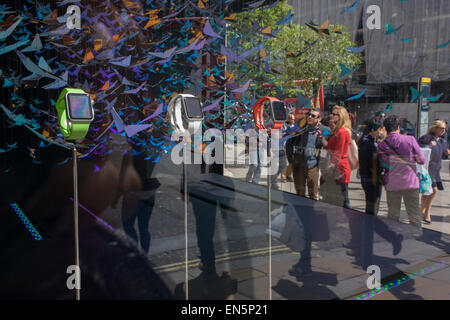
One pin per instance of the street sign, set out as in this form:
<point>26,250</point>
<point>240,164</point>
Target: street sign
<point>423,107</point>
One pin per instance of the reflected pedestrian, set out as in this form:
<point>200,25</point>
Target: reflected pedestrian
<point>369,168</point>
<point>439,149</point>
<point>286,174</point>
<point>304,153</point>
<point>399,155</point>
<point>282,161</point>
<point>138,204</point>
<point>361,244</point>
<point>256,155</point>
<point>337,175</point>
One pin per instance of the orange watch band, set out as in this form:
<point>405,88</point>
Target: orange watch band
<point>258,114</point>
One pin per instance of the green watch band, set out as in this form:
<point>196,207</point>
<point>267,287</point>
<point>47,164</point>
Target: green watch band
<point>72,129</point>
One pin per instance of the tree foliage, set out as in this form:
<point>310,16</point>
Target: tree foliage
<point>291,52</point>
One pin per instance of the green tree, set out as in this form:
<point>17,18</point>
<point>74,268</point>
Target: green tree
<point>294,53</point>
<point>304,54</point>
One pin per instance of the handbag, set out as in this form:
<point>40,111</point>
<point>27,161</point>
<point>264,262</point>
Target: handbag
<point>353,155</point>
<point>426,184</point>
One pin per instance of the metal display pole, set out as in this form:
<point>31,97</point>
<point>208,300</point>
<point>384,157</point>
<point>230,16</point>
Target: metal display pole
<point>186,256</point>
<point>75,222</point>
<point>75,129</point>
<point>269,214</point>
<point>225,118</point>
<point>191,107</point>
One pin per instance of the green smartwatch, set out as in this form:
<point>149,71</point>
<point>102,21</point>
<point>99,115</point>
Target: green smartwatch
<point>75,113</point>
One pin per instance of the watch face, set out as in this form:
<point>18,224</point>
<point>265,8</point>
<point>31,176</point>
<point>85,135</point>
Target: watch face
<point>279,111</point>
<point>193,108</point>
<point>79,106</point>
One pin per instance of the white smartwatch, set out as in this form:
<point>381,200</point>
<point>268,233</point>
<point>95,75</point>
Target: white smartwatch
<point>185,113</point>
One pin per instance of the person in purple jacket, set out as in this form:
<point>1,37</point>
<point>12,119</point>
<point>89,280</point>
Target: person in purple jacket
<point>399,155</point>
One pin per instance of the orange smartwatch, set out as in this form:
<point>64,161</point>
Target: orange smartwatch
<point>276,112</point>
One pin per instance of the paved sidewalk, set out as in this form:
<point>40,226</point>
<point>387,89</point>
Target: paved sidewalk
<point>334,275</point>
<point>420,271</point>
<point>242,248</point>
<point>427,280</point>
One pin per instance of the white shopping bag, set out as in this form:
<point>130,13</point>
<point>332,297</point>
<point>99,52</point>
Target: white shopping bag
<point>426,187</point>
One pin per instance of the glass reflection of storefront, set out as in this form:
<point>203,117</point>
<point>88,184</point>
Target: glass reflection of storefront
<point>217,217</point>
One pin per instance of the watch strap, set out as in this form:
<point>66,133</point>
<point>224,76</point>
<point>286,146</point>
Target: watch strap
<point>195,126</point>
<point>175,111</point>
<point>277,126</point>
<point>70,130</point>
<point>258,114</point>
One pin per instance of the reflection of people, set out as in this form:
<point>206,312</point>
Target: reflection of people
<point>205,198</point>
<point>316,228</point>
<point>204,206</point>
<point>304,153</point>
<point>439,149</point>
<point>256,155</point>
<point>362,244</point>
<point>209,285</point>
<point>282,162</point>
<point>204,212</point>
<point>286,174</point>
<point>445,137</point>
<point>370,172</point>
<point>399,154</point>
<point>303,267</point>
<point>138,205</point>
<point>337,176</point>
<point>205,225</point>
<point>369,169</point>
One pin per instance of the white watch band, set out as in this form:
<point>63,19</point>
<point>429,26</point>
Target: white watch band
<point>195,127</point>
<point>174,109</point>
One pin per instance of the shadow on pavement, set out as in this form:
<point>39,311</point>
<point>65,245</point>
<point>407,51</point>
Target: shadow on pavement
<point>208,286</point>
<point>313,288</point>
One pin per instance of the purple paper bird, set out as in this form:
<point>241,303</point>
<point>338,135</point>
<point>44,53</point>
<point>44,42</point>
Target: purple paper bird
<point>208,30</point>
